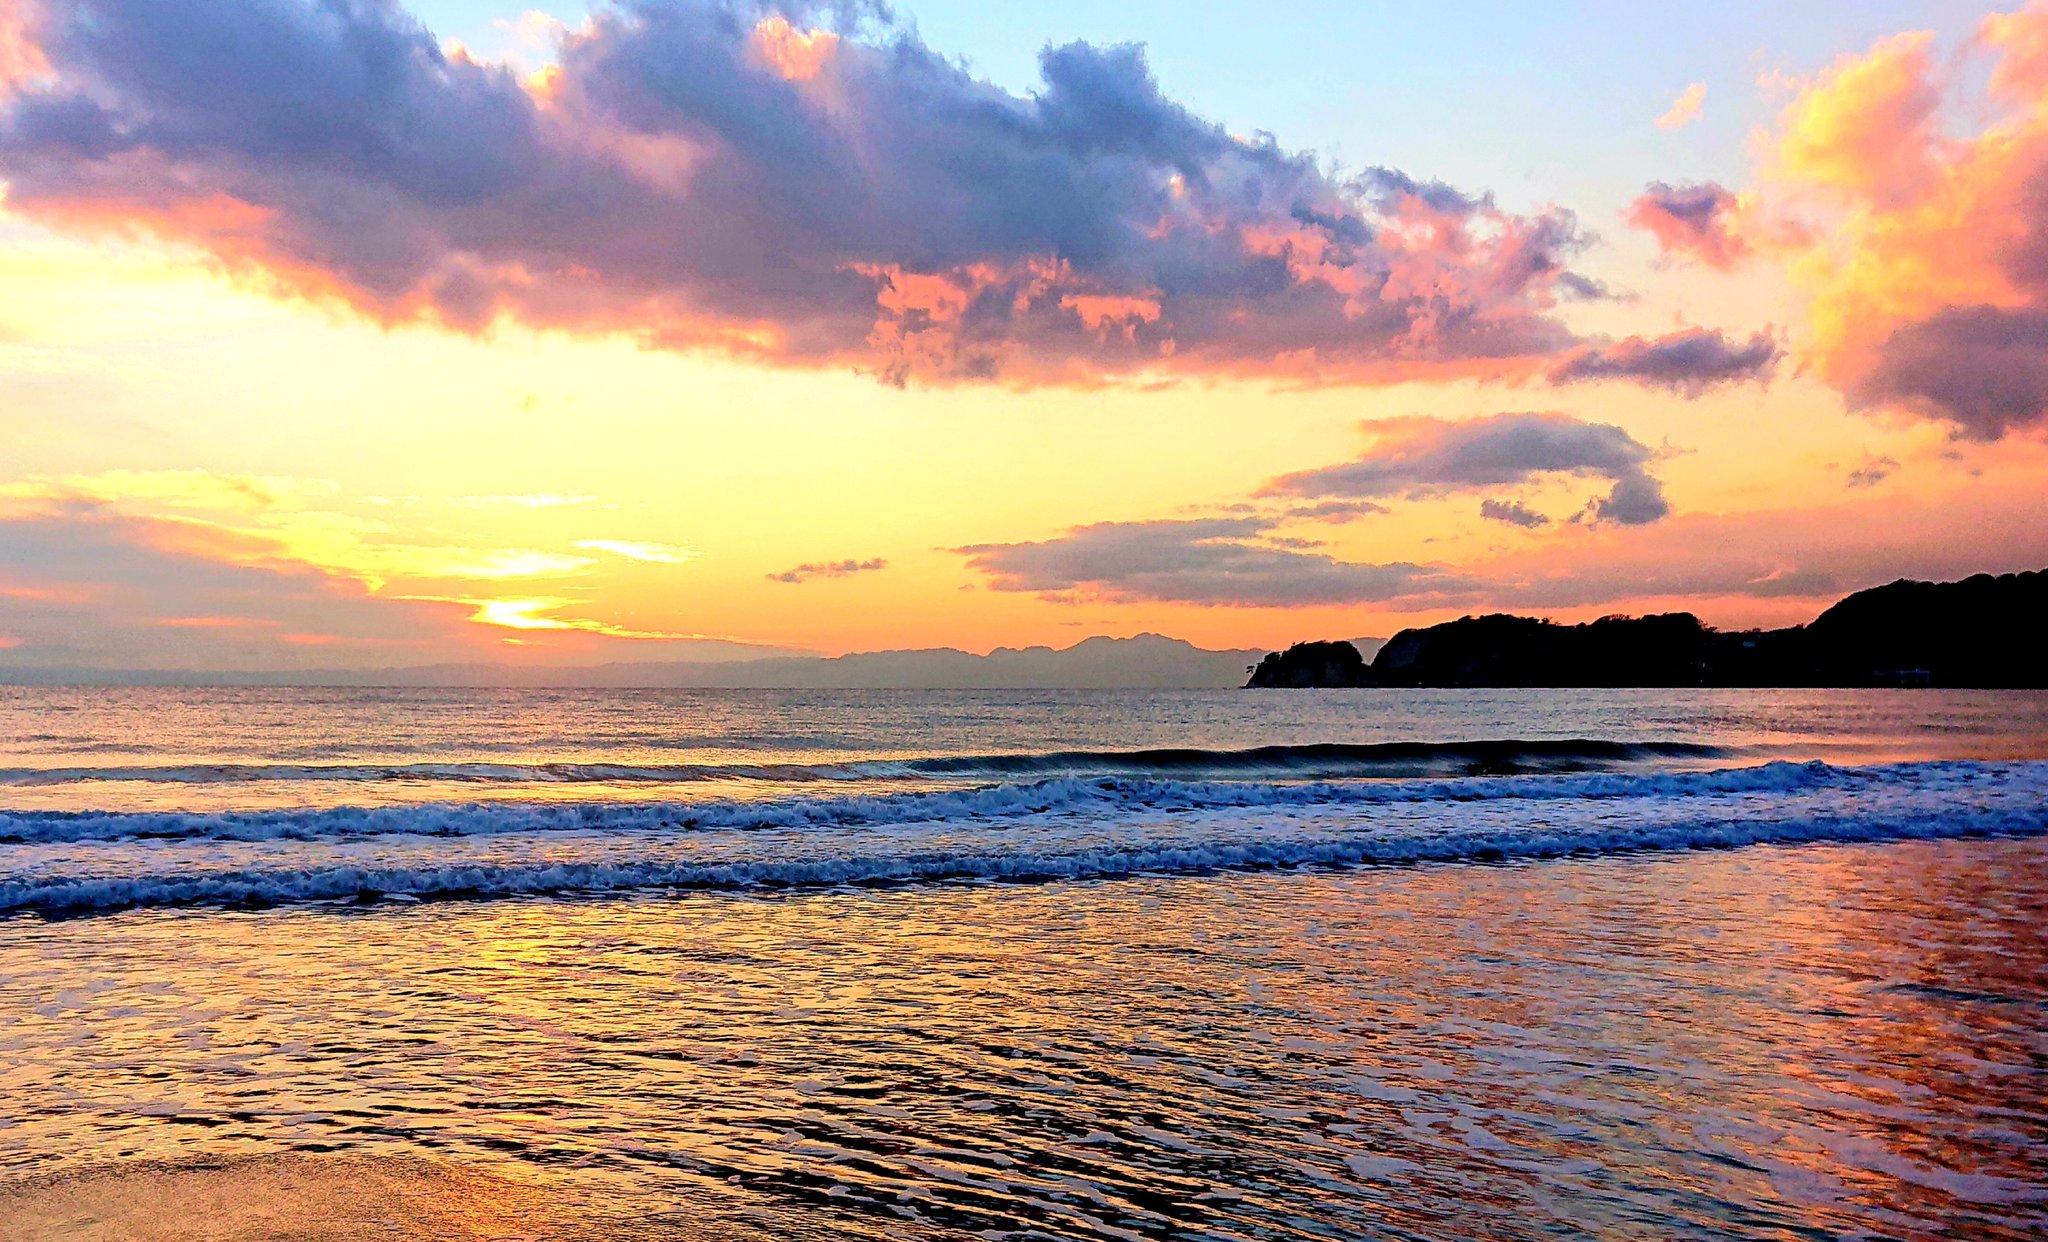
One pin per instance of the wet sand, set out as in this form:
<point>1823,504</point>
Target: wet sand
<point>300,1198</point>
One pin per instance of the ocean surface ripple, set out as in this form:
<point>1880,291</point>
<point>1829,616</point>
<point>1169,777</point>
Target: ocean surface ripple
<point>1500,966</point>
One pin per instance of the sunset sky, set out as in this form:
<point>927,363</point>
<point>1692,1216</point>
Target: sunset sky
<point>341,333</point>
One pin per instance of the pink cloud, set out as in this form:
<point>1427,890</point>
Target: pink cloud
<point>1696,222</point>
<point>1685,109</point>
<point>706,180</point>
<point>1908,206</point>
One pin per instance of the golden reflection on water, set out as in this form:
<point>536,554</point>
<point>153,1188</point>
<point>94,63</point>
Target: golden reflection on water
<point>1774,1042</point>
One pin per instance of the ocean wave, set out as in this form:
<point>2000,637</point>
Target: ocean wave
<point>1507,755</point>
<point>1085,857</point>
<point>1328,760</point>
<point>1100,795</point>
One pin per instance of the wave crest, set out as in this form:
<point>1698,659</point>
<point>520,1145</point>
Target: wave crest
<point>1721,828</point>
<point>1106,794</point>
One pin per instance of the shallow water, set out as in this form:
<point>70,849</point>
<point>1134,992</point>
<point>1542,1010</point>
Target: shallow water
<point>1521,992</point>
<point>1779,1042</point>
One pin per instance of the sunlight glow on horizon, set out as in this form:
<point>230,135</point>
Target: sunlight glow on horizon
<point>221,447</point>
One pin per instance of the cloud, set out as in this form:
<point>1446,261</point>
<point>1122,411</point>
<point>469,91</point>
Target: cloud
<point>1421,456</point>
<point>175,491</point>
<point>1909,190</point>
<point>1866,126</point>
<point>1786,563</point>
<point>798,184</point>
<point>543,613</point>
<point>1777,566</point>
<point>1873,471</point>
<point>20,58</point>
<point>526,500</point>
<point>1513,512</point>
<point>84,584</point>
<point>144,541</point>
<point>1231,562</point>
<point>1637,499</point>
<point>488,565</point>
<point>1335,512</point>
<point>1698,221</point>
<point>1983,369</point>
<point>282,519</point>
<point>1688,362</point>
<point>828,569</point>
<point>638,550</point>
<point>1685,109</point>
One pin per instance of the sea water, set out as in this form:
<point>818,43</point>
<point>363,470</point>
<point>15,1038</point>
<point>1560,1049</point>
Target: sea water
<point>888,964</point>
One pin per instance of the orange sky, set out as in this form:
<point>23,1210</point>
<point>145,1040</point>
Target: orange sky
<point>762,369</point>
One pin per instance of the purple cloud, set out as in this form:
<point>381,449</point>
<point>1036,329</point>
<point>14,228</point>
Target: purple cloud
<point>828,569</point>
<point>1981,369</point>
<point>1695,221</point>
<point>1423,457</point>
<point>1335,512</point>
<point>1219,561</point>
<point>798,183</point>
<point>1687,363</point>
<point>1873,471</point>
<point>1512,512</point>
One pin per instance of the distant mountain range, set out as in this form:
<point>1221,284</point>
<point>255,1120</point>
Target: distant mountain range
<point>1147,661</point>
<point>1980,632</point>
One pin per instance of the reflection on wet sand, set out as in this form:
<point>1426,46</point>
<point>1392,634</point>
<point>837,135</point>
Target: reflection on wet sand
<point>295,1198</point>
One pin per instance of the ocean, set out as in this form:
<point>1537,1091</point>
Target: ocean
<point>1216,964</point>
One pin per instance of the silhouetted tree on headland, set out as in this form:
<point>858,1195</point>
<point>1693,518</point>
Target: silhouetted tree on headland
<point>1312,664</point>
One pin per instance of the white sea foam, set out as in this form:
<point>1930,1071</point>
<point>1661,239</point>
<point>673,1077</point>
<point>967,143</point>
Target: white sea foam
<point>1057,830</point>
<point>1107,795</point>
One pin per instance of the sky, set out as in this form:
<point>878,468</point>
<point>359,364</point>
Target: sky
<point>355,333</point>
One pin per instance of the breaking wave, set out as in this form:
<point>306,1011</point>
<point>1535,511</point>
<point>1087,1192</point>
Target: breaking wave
<point>1049,830</point>
<point>71,895</point>
<point>1106,795</point>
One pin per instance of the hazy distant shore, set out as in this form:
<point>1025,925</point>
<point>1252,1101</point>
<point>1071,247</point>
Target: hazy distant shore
<point>1143,662</point>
